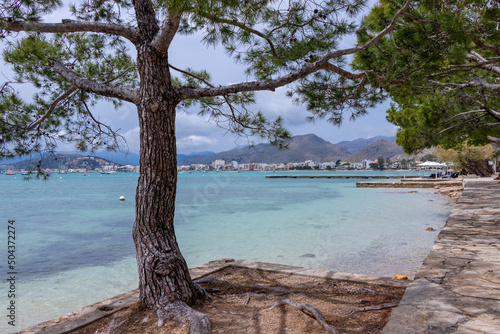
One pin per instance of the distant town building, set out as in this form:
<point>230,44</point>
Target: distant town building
<point>357,165</point>
<point>218,164</point>
<point>366,163</point>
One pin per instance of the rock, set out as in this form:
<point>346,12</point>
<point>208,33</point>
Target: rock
<point>309,255</point>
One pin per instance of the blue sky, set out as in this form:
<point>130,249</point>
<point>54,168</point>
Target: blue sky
<point>195,133</point>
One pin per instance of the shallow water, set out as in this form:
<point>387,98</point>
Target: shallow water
<point>74,245</point>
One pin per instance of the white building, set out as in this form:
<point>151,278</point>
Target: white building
<point>218,164</point>
<point>366,163</point>
<point>357,165</point>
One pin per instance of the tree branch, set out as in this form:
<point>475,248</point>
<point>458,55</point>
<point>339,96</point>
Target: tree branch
<point>321,64</point>
<point>52,107</point>
<point>483,62</point>
<point>474,83</point>
<point>225,97</point>
<point>460,124</point>
<point>413,17</point>
<point>495,114</point>
<point>245,28</point>
<point>490,47</point>
<point>346,74</point>
<point>375,39</point>
<point>129,33</point>
<point>164,37</point>
<point>120,92</point>
<point>465,113</point>
<point>495,140</point>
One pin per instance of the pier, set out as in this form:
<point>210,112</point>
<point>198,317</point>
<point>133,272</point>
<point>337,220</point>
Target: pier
<point>361,177</point>
<point>418,183</point>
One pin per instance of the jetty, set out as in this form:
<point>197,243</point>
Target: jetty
<point>414,183</point>
<point>351,176</point>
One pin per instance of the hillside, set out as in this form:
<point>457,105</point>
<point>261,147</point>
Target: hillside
<point>357,145</point>
<point>301,148</point>
<point>375,150</point>
<point>64,161</point>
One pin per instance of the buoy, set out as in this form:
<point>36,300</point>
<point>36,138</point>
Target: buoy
<point>122,198</point>
<point>61,177</point>
<point>84,175</point>
<point>249,178</point>
<point>398,276</point>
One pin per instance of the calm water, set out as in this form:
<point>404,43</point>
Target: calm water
<point>74,245</point>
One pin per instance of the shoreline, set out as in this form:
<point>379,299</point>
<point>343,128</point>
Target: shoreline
<point>85,316</point>
<point>476,209</point>
<point>305,261</point>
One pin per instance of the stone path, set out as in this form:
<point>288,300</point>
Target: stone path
<point>457,289</point>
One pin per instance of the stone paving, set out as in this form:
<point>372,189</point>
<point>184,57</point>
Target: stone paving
<point>457,289</point>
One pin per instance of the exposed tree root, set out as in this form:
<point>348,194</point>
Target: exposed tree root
<point>373,292</point>
<point>227,312</point>
<point>309,310</point>
<point>374,307</point>
<point>250,294</point>
<point>111,327</point>
<point>179,311</point>
<point>206,293</point>
<point>278,290</point>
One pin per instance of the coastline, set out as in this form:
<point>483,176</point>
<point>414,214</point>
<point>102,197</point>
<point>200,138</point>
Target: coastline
<point>429,301</point>
<point>313,196</point>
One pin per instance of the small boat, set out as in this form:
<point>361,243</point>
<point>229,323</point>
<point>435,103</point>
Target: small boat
<point>10,172</point>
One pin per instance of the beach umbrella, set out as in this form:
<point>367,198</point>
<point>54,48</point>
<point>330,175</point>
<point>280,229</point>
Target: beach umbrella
<point>431,164</point>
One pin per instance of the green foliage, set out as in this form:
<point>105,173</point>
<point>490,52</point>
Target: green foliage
<point>429,157</point>
<point>421,63</point>
<point>30,10</point>
<point>91,56</point>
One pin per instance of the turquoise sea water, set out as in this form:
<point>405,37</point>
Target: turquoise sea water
<point>74,245</point>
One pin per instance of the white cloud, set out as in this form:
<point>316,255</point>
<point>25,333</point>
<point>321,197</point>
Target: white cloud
<point>195,141</point>
<point>132,137</point>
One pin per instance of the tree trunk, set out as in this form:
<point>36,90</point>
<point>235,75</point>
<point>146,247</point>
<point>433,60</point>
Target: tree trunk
<point>163,273</point>
<point>481,168</point>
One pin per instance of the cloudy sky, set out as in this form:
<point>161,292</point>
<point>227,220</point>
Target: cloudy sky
<point>195,133</point>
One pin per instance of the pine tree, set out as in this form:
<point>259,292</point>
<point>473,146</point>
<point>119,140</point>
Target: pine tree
<point>441,67</point>
<point>75,63</point>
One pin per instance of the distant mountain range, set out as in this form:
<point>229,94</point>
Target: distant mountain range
<point>63,161</point>
<point>120,158</point>
<point>357,145</point>
<point>301,148</point>
<point>380,148</point>
<point>307,147</point>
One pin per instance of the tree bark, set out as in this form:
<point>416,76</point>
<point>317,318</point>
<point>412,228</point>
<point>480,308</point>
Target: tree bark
<point>478,167</point>
<point>163,273</point>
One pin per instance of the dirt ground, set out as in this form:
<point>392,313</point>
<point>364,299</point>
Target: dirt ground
<point>245,309</point>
